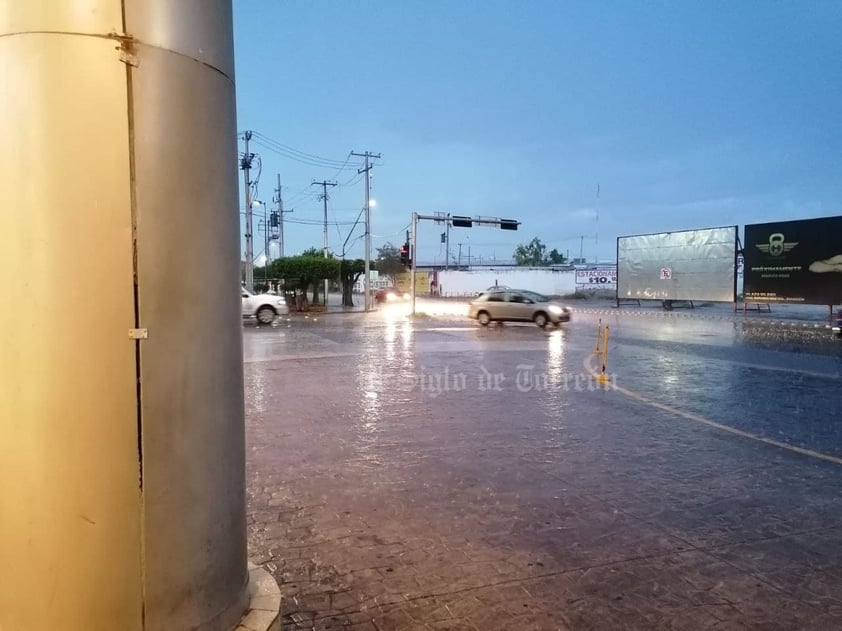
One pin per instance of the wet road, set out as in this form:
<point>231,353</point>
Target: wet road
<point>431,474</point>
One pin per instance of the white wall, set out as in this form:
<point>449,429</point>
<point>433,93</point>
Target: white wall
<point>464,283</point>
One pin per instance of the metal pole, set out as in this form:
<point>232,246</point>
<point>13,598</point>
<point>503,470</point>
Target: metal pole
<point>367,170</point>
<point>266,248</point>
<point>447,244</point>
<point>249,221</point>
<point>367,280</point>
<point>412,255</point>
<point>459,260</point>
<point>280,220</point>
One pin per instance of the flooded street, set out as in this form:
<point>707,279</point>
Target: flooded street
<point>433,474</point>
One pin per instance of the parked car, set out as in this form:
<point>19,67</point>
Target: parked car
<point>517,305</point>
<point>390,294</point>
<point>264,307</point>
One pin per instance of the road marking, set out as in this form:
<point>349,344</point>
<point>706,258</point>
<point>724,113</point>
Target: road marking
<point>721,426</point>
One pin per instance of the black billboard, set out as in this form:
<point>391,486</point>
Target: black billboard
<point>794,261</point>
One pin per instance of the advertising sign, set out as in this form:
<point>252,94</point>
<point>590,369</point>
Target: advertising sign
<point>422,282</point>
<point>602,277</point>
<point>684,265</point>
<point>794,261</point>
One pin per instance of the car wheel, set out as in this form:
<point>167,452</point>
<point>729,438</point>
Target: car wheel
<point>266,315</point>
<point>540,319</point>
<point>484,318</point>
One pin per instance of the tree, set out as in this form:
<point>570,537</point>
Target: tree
<point>555,257</point>
<point>389,261</point>
<point>305,271</point>
<point>534,254</point>
<point>349,272</point>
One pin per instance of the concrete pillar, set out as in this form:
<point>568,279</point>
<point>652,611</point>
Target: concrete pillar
<point>122,485</point>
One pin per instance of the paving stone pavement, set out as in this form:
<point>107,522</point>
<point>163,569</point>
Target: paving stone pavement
<point>381,498</point>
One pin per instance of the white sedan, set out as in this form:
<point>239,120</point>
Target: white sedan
<point>264,307</point>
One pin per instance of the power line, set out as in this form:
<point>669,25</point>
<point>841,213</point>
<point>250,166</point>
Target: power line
<point>281,147</point>
<point>316,222</point>
<point>300,156</point>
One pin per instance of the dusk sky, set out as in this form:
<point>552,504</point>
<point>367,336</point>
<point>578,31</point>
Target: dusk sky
<point>685,114</point>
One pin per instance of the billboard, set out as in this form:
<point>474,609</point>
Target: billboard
<point>422,282</point>
<point>597,278</point>
<point>794,261</point>
<point>685,265</point>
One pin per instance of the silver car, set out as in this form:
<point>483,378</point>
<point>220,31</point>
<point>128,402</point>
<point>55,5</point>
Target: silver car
<point>517,305</point>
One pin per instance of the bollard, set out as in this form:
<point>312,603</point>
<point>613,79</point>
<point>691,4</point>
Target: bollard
<point>603,377</point>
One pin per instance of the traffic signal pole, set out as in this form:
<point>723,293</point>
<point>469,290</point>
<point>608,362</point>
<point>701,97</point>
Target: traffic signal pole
<point>412,251</point>
<point>456,222</point>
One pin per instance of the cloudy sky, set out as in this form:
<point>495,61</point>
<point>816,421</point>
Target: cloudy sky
<point>681,114</point>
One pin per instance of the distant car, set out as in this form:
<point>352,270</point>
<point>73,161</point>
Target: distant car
<point>264,307</point>
<point>517,305</point>
<point>390,294</point>
<point>838,328</point>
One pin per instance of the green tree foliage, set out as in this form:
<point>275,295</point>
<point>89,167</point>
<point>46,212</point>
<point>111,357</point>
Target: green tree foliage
<point>306,271</point>
<point>389,261</point>
<point>534,254</point>
<point>555,257</point>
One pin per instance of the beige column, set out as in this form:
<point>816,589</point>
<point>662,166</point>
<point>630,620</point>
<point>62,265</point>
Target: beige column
<point>122,502</point>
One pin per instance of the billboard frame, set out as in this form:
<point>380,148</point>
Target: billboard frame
<point>737,246</point>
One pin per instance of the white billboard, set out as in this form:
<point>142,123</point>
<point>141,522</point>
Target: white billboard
<point>685,265</point>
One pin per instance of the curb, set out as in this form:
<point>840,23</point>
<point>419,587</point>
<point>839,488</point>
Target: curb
<point>718,318</point>
<point>264,610</point>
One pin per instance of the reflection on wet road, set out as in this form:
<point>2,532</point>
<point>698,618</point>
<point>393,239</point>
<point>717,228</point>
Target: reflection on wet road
<point>435,474</point>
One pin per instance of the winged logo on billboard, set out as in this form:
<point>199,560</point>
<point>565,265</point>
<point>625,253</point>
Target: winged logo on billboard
<point>777,245</point>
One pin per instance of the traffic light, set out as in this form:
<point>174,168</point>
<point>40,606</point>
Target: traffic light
<point>461,222</point>
<point>273,219</point>
<point>406,260</point>
<point>444,237</point>
<point>508,224</point>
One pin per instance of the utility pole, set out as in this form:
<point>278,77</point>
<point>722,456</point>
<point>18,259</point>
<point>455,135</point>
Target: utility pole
<point>459,260</point>
<point>279,199</point>
<point>581,247</point>
<point>447,245</point>
<point>412,251</point>
<point>266,246</point>
<point>245,165</point>
<point>367,169</point>
<point>324,197</point>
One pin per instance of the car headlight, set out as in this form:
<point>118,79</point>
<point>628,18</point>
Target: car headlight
<point>555,309</point>
<point>406,296</point>
<point>391,297</point>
